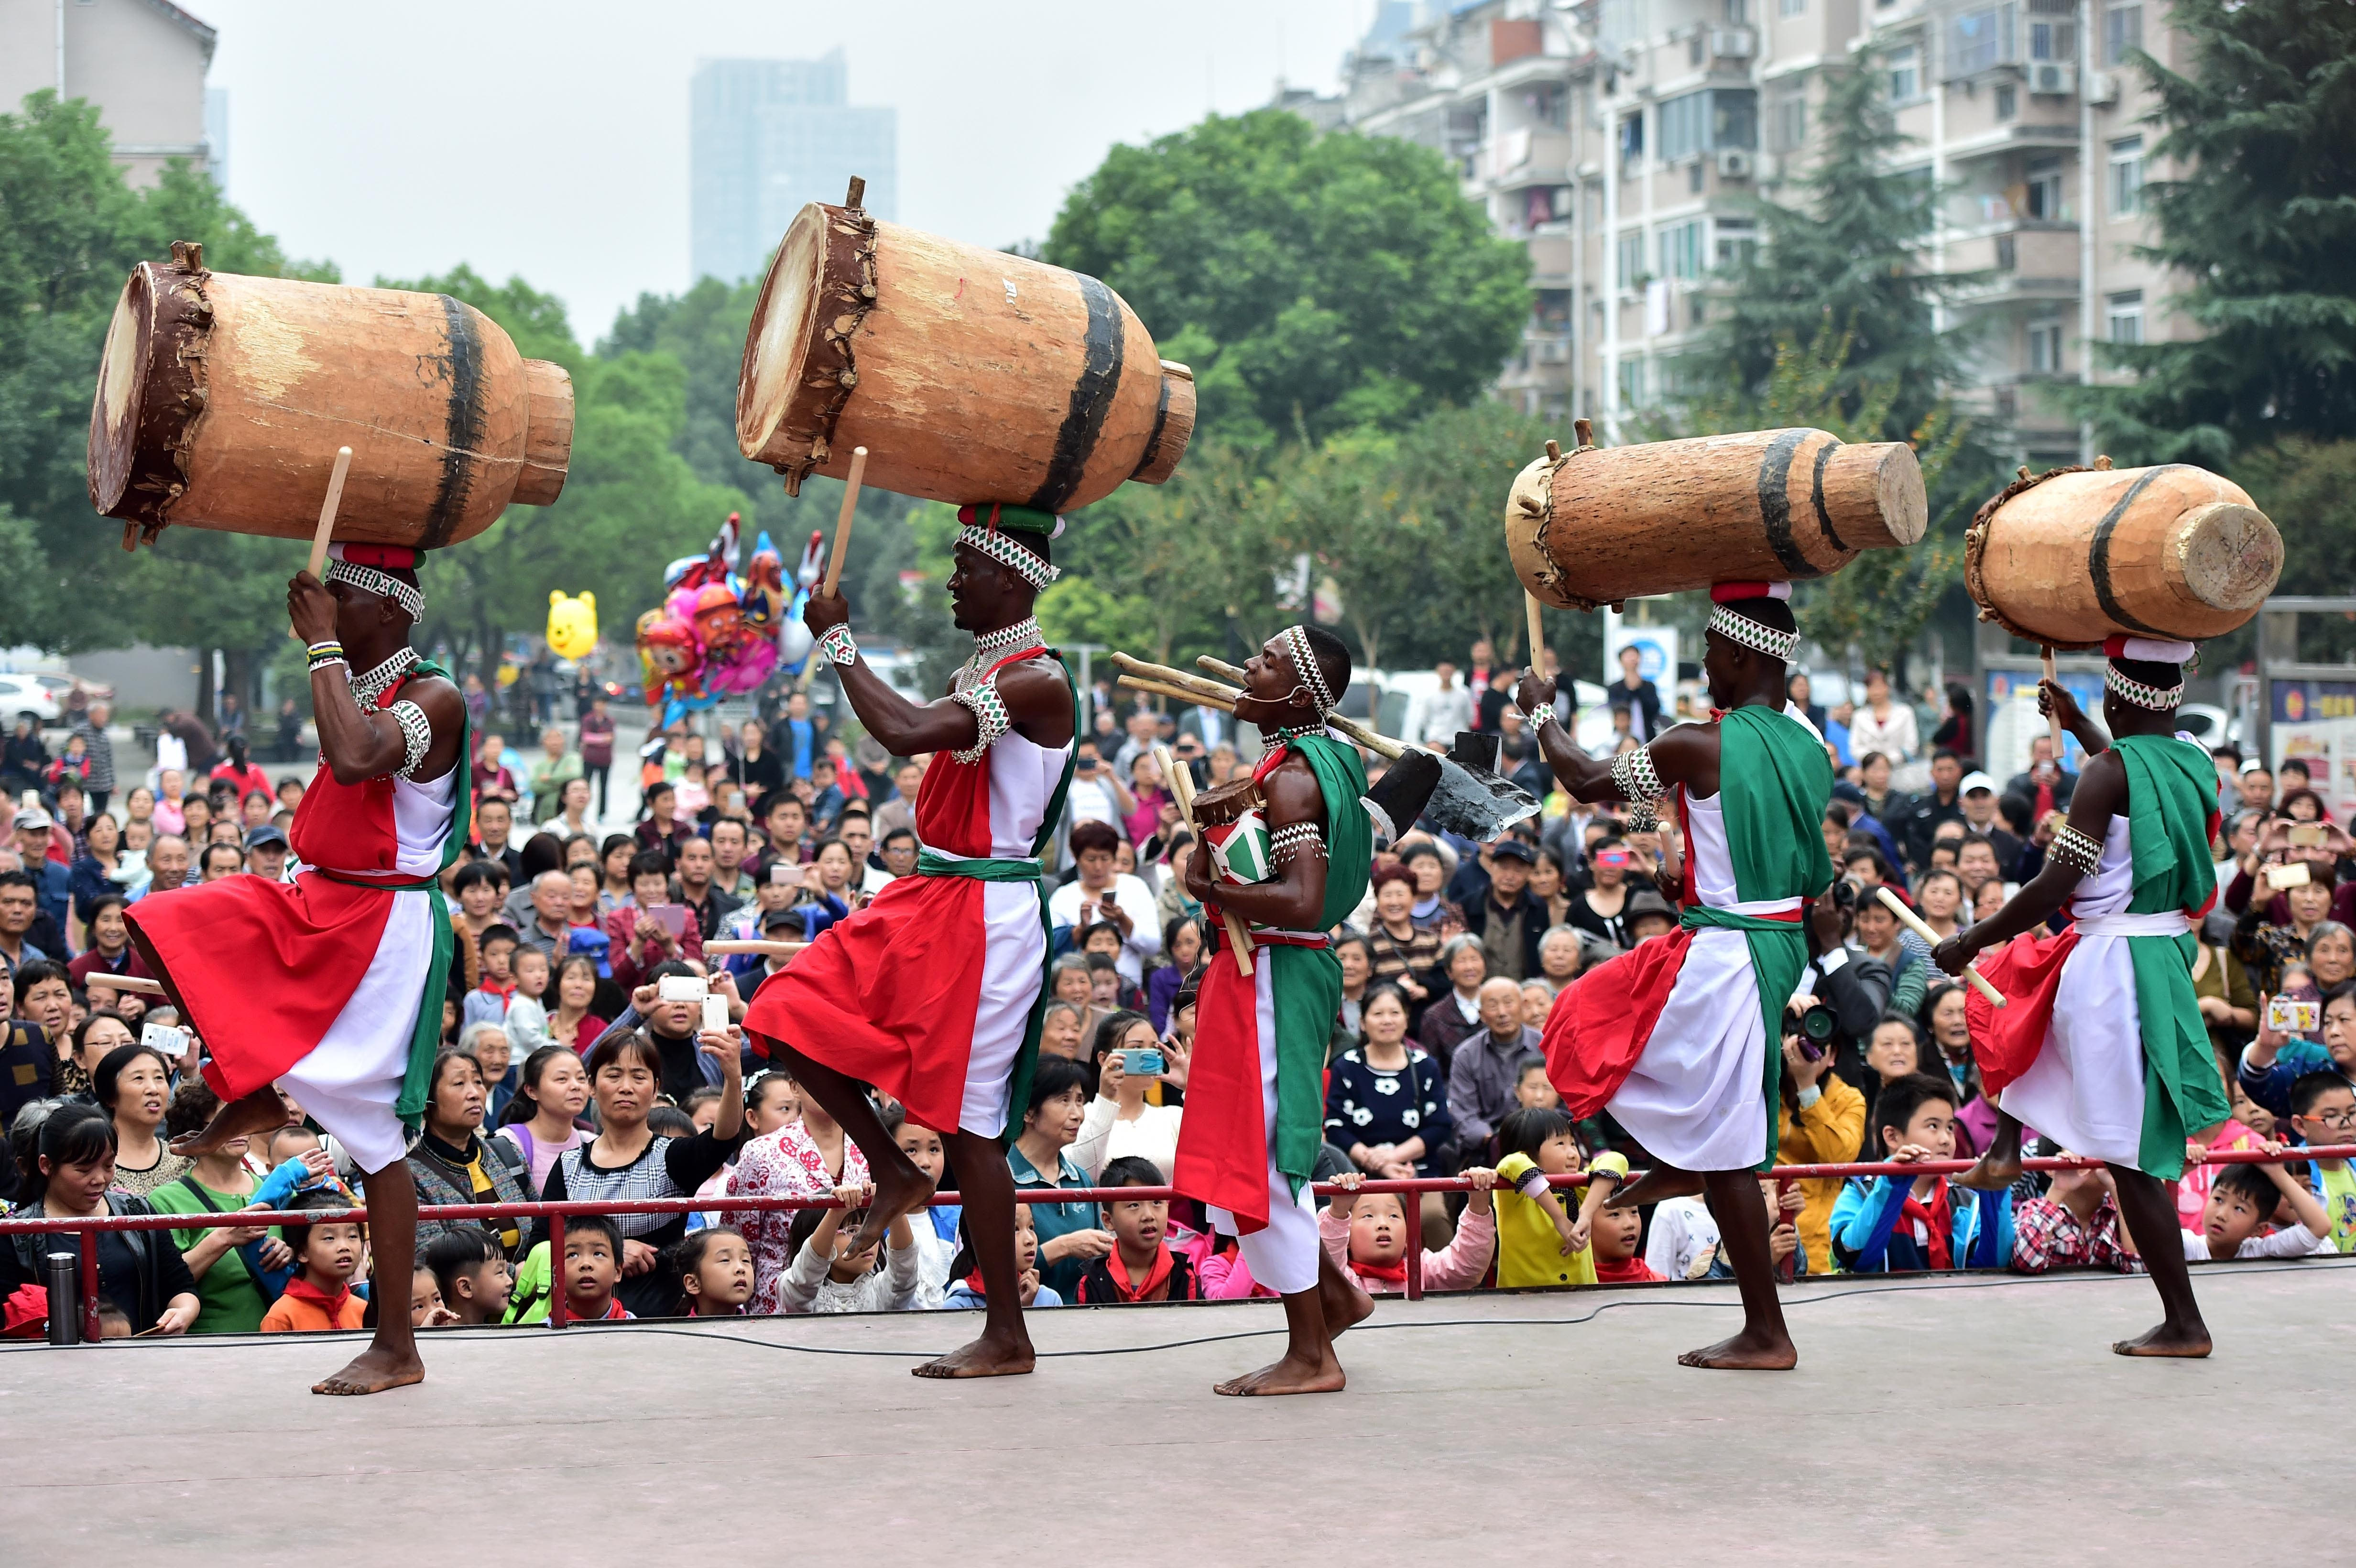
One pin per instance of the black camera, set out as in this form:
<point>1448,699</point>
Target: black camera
<point>1844,895</point>
<point>1814,1027</point>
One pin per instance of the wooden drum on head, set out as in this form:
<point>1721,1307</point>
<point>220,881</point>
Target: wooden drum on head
<point>222,401</point>
<point>1608,524</point>
<point>969,375</point>
<point>2080,555</point>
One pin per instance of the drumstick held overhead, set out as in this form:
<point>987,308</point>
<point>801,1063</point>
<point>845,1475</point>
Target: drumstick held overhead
<point>1922,928</point>
<point>842,521</point>
<point>2053,720</point>
<point>1537,632</point>
<point>327,509</point>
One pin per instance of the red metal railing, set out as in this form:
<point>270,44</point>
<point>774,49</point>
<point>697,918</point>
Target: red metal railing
<point>80,1226</point>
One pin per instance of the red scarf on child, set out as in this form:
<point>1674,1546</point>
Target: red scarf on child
<point>1937,1221</point>
<point>1395,1272</point>
<point>1628,1271</point>
<point>302,1289</point>
<point>1119,1273</point>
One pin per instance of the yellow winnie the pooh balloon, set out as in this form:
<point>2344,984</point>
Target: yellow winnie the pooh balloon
<point>571,624</point>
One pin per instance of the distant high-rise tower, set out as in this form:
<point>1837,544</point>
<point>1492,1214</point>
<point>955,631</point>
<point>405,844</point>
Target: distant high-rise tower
<point>766,136</point>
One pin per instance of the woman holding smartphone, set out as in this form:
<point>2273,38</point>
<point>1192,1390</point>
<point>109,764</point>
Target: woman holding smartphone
<point>1602,910</point>
<point>1132,1061</point>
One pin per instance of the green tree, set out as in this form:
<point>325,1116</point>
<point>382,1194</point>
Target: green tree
<point>2262,230</point>
<point>1314,282</point>
<point>1847,255</point>
<point>1450,472</point>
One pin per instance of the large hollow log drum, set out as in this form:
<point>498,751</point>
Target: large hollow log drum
<point>222,401</point>
<point>2078,555</point>
<point>1602,525</point>
<point>969,375</point>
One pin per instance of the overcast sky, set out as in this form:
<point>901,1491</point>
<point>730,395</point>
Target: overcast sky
<point>549,139</point>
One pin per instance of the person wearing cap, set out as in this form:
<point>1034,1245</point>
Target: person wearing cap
<point>1679,1038</point>
<point>1254,1085</point>
<point>52,878</point>
<point>2101,1046</point>
<point>2257,785</point>
<point>265,852</point>
<point>932,992</point>
<point>330,986</point>
<point>1507,918</point>
<point>1976,793</point>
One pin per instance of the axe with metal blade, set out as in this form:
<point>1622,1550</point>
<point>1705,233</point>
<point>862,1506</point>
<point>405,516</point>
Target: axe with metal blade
<point>1461,792</point>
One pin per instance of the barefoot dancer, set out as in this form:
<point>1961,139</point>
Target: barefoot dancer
<point>2102,1047</point>
<point>331,986</point>
<point>1679,1039</point>
<point>1255,1087</point>
<point>932,993</point>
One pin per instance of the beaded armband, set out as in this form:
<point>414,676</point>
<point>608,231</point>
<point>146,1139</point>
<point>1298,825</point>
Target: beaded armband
<point>990,721</point>
<point>417,736</point>
<point>1296,838</point>
<point>2076,850</point>
<point>1540,717</point>
<point>1634,776</point>
<point>837,647</point>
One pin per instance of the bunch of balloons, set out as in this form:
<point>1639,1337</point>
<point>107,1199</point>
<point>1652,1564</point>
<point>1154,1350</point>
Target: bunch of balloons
<point>717,633</point>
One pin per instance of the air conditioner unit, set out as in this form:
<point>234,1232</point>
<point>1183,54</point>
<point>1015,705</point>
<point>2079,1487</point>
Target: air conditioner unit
<point>2047,78</point>
<point>1733,163</point>
<point>1730,43</point>
<point>2102,88</point>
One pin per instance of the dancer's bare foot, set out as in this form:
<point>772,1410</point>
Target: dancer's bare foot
<point>240,1118</point>
<point>2186,1341</point>
<point>988,1357</point>
<point>1288,1376</point>
<point>1748,1352</point>
<point>1993,1172</point>
<point>897,1192</point>
<point>373,1370</point>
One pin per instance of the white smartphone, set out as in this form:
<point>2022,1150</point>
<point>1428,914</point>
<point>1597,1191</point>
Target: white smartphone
<point>2295,875</point>
<point>681,988</point>
<point>716,1014</point>
<point>172,1042</point>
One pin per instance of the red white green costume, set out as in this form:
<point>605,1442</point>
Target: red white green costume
<point>1679,1039</point>
<point>2101,1047</point>
<point>1255,1087</point>
<point>933,992</point>
<point>331,985</point>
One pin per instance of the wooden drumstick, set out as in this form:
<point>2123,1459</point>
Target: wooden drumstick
<point>1181,789</point>
<point>842,521</point>
<point>1537,632</point>
<point>145,986</point>
<point>1921,928</point>
<point>327,509</point>
<point>2053,720</point>
<point>762,946</point>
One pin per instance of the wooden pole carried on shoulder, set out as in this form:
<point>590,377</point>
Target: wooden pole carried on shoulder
<point>1921,928</point>
<point>1181,789</point>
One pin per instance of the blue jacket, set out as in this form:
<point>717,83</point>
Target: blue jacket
<point>56,886</point>
<point>2270,1086</point>
<point>1866,1235</point>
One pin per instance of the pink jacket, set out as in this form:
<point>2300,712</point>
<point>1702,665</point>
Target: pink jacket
<point>1461,1265</point>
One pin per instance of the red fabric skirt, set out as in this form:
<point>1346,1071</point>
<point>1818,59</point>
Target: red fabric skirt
<point>888,997</point>
<point>2027,971</point>
<point>1597,1029</point>
<point>264,967</point>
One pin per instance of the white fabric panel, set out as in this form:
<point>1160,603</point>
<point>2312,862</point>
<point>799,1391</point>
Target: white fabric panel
<point>1284,1256</point>
<point>1696,1097</point>
<point>352,1080</point>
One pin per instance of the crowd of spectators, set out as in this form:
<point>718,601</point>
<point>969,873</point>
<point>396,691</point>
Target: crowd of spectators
<point>569,1072</point>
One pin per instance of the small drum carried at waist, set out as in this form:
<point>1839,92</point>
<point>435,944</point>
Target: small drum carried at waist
<point>2072,558</point>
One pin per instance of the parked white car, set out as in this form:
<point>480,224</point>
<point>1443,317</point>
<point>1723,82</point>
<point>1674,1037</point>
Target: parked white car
<point>22,694</point>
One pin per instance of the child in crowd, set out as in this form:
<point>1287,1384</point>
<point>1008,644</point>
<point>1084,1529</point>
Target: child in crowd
<point>319,1297</point>
<point>772,1100</point>
<point>1367,1237</point>
<point>425,1308</point>
<point>1106,989</point>
<point>2323,1112</point>
<point>715,1273</point>
<point>1539,1241</point>
<point>1683,1240</point>
<point>827,1276</point>
<point>2074,1225</point>
<point>1616,1231</point>
<point>935,1228</point>
<point>593,1270</point>
<point>471,1273</point>
<point>968,1291</point>
<point>1535,1091</point>
<point>1886,1224</point>
<point>1140,1267</point>
<point>488,1002</point>
<point>2240,1205</point>
<point>527,1015</point>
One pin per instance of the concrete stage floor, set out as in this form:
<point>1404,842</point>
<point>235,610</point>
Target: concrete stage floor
<point>1925,1424</point>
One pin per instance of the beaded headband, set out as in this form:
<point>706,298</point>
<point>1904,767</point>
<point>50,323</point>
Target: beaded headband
<point>987,537</point>
<point>1740,628</point>
<point>1304,666</point>
<point>2159,699</point>
<point>383,584</point>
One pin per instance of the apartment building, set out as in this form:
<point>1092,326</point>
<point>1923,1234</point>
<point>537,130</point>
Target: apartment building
<point>766,136</point>
<point>142,62</point>
<point>1621,140</point>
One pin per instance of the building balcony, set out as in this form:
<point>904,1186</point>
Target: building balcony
<point>1524,157</point>
<point>2014,138</point>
